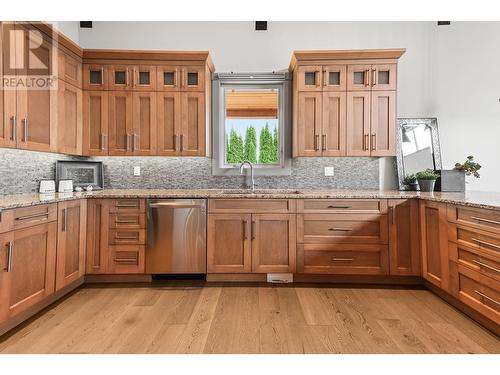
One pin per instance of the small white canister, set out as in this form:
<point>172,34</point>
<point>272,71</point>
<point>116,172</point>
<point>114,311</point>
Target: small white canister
<point>65,186</point>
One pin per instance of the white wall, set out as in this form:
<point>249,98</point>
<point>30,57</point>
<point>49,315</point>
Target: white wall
<point>69,28</point>
<point>450,72</point>
<point>467,92</point>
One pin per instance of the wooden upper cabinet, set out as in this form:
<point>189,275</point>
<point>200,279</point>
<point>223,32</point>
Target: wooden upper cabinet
<point>383,123</point>
<point>434,243</point>
<point>95,122</point>
<point>383,76</point>
<point>120,123</point>
<point>31,275</point>
<point>358,123</point>
<point>309,78</point>
<point>144,123</point>
<point>273,243</point>
<point>333,129</point>
<point>144,78</point>
<point>95,77</point>
<point>193,78</point>
<point>229,243</point>
<point>71,229</point>
<point>69,129</point>
<point>69,68</point>
<point>308,124</point>
<point>120,77</point>
<point>334,78</point>
<point>169,123</point>
<point>168,78</point>
<point>404,249</point>
<point>192,137</point>
<point>358,77</point>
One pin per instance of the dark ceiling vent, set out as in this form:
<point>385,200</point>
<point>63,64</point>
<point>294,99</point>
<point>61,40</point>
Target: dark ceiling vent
<point>444,23</point>
<point>86,24</point>
<point>260,25</point>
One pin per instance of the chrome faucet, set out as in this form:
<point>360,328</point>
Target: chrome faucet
<point>242,167</point>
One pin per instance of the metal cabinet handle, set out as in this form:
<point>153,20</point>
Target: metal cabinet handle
<point>127,206</point>
<point>325,78</point>
<point>365,142</point>
<point>374,141</point>
<point>183,80</point>
<point>392,213</point>
<point>481,242</point>
<point>331,206</point>
<point>485,220</point>
<point>102,142</point>
<point>65,219</point>
<point>134,142</point>
<point>181,142</point>
<point>481,264</point>
<point>102,76</point>
<point>374,77</point>
<point>32,216</point>
<point>10,252</point>
<point>126,221</point>
<point>316,142</point>
<point>253,229</point>
<point>25,124</point>
<point>486,297</point>
<point>245,223</point>
<point>366,81</point>
<point>323,142</point>
<point>175,141</point>
<point>126,77</point>
<point>126,237</point>
<point>14,127</point>
<point>135,75</point>
<point>342,259</point>
<point>339,229</point>
<point>126,260</point>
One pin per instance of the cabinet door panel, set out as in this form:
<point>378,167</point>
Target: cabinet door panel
<point>404,250</point>
<point>168,78</point>
<point>120,123</point>
<point>95,77</point>
<point>70,242</point>
<point>193,78</point>
<point>69,122</point>
<point>358,77</point>
<point>384,76</point>
<point>228,246</point>
<point>334,78</point>
<point>358,123</point>
<point>7,97</point>
<point>334,124</point>
<point>383,123</point>
<point>120,77</point>
<point>127,259</point>
<point>97,236</point>
<point>169,123</point>
<point>70,69</point>
<point>144,77</point>
<point>273,243</point>
<point>144,134</point>
<point>308,129</point>
<point>192,137</point>
<point>95,122</point>
<point>309,78</point>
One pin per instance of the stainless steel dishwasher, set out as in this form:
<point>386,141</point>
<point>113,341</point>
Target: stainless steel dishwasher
<point>177,233</point>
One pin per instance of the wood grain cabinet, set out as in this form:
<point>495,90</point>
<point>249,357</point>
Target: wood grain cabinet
<point>169,123</point>
<point>71,231</point>
<point>404,249</point>
<point>434,243</point>
<point>121,126</point>
<point>95,122</point>
<point>97,246</point>
<point>95,77</point>
<point>70,125</point>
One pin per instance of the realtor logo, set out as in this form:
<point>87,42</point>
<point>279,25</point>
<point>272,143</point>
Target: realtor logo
<point>29,58</point>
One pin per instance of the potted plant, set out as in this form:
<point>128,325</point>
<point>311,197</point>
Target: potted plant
<point>426,179</point>
<point>410,180</point>
<point>469,167</point>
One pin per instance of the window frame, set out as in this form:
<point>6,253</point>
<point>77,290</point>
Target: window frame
<point>251,81</point>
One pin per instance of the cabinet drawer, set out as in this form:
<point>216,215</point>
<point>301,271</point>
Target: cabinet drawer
<point>6,220</point>
<point>29,216</point>
<point>343,259</point>
<point>488,220</point>
<point>127,236</point>
<point>485,262</point>
<point>251,205</point>
<point>341,205</point>
<point>480,292</point>
<point>127,259</point>
<point>342,228</point>
<point>475,239</point>
<point>127,205</point>
<point>127,221</point>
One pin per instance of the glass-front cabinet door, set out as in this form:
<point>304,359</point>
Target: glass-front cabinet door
<point>144,78</point>
<point>120,77</point>
<point>168,78</point>
<point>309,78</point>
<point>193,78</point>
<point>358,77</point>
<point>384,77</point>
<point>94,77</point>
<point>334,78</point>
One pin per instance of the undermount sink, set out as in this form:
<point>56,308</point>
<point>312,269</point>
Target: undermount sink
<point>261,191</point>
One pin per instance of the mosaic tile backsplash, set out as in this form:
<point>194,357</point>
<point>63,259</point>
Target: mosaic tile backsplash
<point>21,172</point>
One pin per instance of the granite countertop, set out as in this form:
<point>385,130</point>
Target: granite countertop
<point>489,200</point>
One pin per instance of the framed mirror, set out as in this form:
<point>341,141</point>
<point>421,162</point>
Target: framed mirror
<point>417,146</point>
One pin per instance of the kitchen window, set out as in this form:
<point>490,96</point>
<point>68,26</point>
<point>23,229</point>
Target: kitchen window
<point>251,122</point>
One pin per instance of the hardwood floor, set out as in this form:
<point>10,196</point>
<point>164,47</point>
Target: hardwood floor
<point>249,318</point>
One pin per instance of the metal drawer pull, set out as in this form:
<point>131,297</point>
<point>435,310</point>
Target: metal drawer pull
<point>14,128</point>
<point>339,207</point>
<point>125,260</point>
<point>65,219</point>
<point>9,257</point>
<point>340,229</point>
<point>32,216</point>
<point>342,259</point>
<point>25,121</point>
<point>245,223</point>
<point>127,206</point>
<point>485,220</point>
<point>253,230</point>
<point>126,237</point>
<point>481,242</point>
<point>127,221</point>
<point>486,297</point>
<point>174,205</point>
<point>481,264</point>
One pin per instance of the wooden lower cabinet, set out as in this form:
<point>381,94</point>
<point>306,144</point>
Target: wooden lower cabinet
<point>404,249</point>
<point>97,236</point>
<point>72,222</point>
<point>126,259</point>
<point>30,278</point>
<point>434,243</point>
